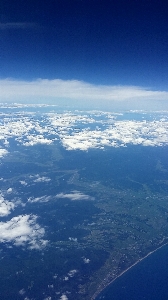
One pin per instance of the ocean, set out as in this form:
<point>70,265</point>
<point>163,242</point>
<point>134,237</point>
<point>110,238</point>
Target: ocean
<point>146,280</point>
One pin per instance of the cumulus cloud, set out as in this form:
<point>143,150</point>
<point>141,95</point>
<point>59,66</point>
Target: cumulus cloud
<point>75,195</point>
<point>23,182</point>
<point>9,191</point>
<point>121,133</point>
<point>21,231</point>
<point>63,297</point>
<point>36,139</point>
<point>83,130</point>
<point>3,152</point>
<point>20,127</point>
<point>86,260</point>
<point>5,206</point>
<point>73,89</point>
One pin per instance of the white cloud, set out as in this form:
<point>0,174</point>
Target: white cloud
<point>42,179</point>
<point>5,206</point>
<point>121,133</point>
<point>36,139</point>
<point>23,182</point>
<point>66,278</point>
<point>37,178</point>
<point>72,273</point>
<point>83,130</point>
<point>9,191</point>
<point>21,231</point>
<point>63,297</point>
<point>75,195</point>
<point>86,260</point>
<point>39,199</point>
<point>22,292</point>
<point>14,90</point>
<point>25,129</point>
<point>3,152</point>
<point>73,239</point>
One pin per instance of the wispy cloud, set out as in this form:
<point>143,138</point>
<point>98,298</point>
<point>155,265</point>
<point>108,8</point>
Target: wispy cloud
<point>17,25</point>
<point>44,198</point>
<point>75,195</point>
<point>13,90</point>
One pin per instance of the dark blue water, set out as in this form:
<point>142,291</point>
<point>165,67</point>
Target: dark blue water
<point>146,280</point>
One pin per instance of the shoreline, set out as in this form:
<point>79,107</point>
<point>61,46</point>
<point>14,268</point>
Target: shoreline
<point>100,289</point>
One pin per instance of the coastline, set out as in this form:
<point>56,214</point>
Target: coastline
<point>101,288</point>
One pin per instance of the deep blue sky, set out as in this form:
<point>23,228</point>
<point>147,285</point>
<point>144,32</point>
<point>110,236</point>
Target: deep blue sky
<point>98,41</point>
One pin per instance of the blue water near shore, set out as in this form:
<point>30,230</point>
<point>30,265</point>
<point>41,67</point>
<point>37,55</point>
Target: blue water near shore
<point>146,280</point>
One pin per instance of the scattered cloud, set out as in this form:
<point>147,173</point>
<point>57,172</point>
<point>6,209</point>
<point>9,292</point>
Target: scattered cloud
<point>75,195</point>
<point>82,130</point>
<point>23,231</point>
<point>120,134</point>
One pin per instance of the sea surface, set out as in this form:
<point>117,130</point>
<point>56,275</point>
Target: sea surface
<point>146,280</point>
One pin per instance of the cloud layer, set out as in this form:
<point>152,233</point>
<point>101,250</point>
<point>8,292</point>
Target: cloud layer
<point>14,90</point>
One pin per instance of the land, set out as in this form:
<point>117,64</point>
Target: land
<point>124,221</point>
<point>130,226</point>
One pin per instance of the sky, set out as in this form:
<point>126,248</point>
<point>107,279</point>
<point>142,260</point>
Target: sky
<point>84,49</point>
